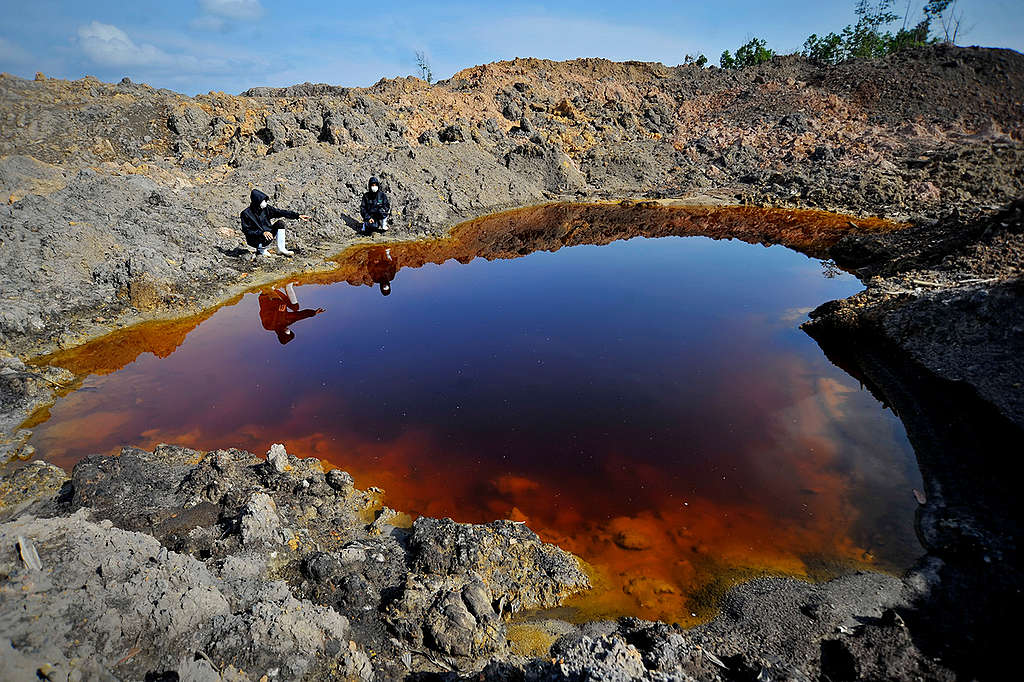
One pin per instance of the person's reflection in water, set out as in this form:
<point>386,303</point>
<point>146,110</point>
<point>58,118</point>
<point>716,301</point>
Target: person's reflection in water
<point>280,309</point>
<point>382,267</point>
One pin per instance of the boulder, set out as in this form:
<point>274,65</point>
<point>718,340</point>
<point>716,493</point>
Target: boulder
<point>189,121</point>
<point>260,522</point>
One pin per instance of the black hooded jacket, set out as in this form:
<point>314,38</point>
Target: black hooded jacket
<point>256,220</point>
<point>375,205</point>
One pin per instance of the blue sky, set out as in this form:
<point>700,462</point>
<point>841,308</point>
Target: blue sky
<point>200,45</point>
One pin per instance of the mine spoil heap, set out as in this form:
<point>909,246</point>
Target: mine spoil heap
<point>120,203</point>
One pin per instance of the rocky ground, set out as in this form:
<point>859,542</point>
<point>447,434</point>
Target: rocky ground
<point>938,289</point>
<point>123,201</point>
<point>122,206</point>
<point>938,335</point>
<point>176,564</point>
<point>225,562</point>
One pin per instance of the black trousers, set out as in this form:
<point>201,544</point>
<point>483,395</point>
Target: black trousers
<point>261,239</point>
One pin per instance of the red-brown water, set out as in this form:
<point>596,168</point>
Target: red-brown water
<point>649,404</point>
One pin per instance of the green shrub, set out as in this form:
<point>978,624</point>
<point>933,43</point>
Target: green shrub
<point>753,52</point>
<point>699,60</point>
<point>869,37</point>
<point>940,21</point>
<point>828,49</point>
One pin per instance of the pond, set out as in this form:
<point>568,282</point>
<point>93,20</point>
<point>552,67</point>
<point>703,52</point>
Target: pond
<point>647,402</point>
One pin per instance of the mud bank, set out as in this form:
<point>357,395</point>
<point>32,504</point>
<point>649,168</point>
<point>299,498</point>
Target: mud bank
<point>966,519</point>
<point>938,334</point>
<point>178,559</point>
<point>949,295</point>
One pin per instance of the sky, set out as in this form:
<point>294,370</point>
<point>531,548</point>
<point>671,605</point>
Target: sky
<point>195,46</point>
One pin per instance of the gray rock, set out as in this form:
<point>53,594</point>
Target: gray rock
<point>321,566</point>
<point>433,613</point>
<point>27,550</point>
<point>241,568</point>
<point>276,630</point>
<point>341,481</point>
<point>453,133</point>
<point>21,175</point>
<point>28,489</point>
<point>607,658</point>
<point>276,129</point>
<point>191,121</point>
<point>109,569</point>
<point>260,522</point>
<point>478,600</point>
<point>352,554</point>
<point>509,556</point>
<point>231,508</point>
<point>428,137</point>
<point>197,670</point>
<point>512,111</point>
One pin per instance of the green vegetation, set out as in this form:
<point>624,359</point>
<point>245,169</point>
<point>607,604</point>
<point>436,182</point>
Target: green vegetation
<point>869,37</point>
<point>753,52</point>
<point>939,22</point>
<point>699,61</point>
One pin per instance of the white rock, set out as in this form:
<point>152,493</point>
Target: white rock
<point>259,520</point>
<point>278,457</point>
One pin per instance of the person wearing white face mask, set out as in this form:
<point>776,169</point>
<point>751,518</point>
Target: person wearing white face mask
<point>375,207</point>
<point>256,225</point>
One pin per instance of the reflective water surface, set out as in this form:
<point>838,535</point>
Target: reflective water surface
<point>649,404</point>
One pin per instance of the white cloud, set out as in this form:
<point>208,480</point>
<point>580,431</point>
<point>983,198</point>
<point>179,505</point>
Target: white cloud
<point>108,45</point>
<point>221,15</point>
<point>239,10</point>
<point>179,60</point>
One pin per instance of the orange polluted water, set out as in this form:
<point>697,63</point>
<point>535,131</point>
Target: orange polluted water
<point>649,404</point>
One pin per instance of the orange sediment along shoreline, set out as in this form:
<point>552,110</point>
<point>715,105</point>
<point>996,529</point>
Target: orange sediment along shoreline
<point>505,235</point>
<point>653,552</point>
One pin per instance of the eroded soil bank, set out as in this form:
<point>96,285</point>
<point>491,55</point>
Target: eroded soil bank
<point>122,200</point>
<point>121,209</point>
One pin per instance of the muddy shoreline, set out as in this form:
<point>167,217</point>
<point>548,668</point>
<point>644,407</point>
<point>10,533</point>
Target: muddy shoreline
<point>254,565</point>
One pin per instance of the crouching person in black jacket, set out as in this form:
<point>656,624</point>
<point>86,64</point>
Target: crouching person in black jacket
<point>257,228</point>
<point>375,208</point>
